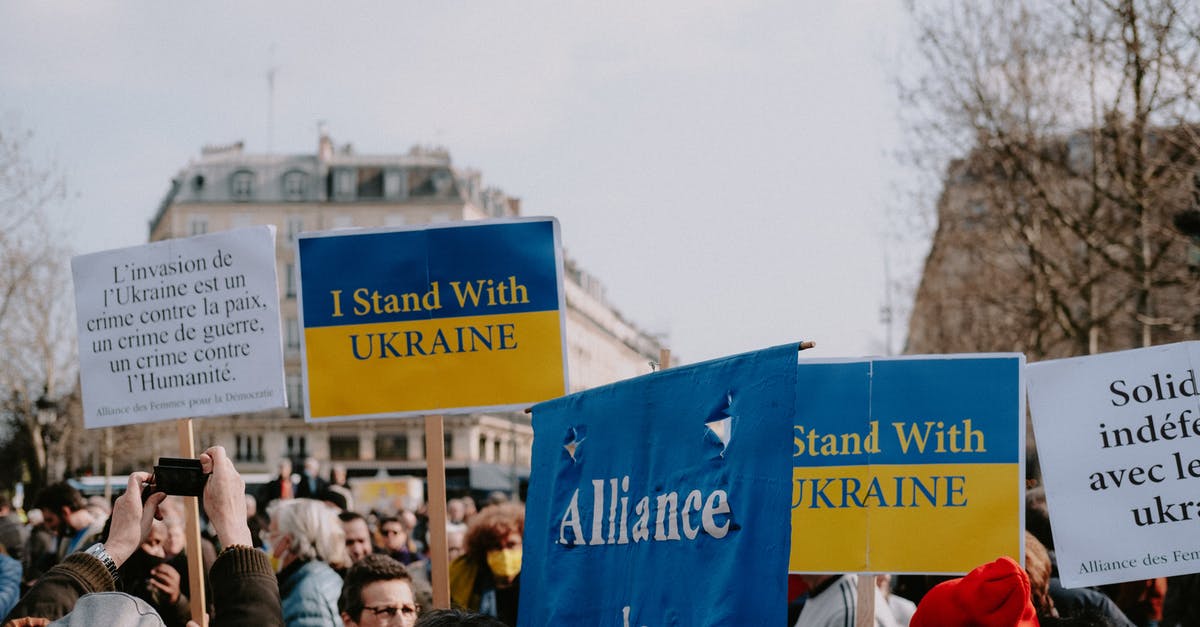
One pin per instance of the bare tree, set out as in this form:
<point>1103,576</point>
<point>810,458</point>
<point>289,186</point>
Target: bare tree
<point>37,372</point>
<point>1068,141</point>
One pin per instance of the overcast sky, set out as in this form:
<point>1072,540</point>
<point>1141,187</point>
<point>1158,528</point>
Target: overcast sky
<point>723,167</point>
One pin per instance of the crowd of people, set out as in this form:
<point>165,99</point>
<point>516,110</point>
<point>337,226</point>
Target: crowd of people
<point>294,554</point>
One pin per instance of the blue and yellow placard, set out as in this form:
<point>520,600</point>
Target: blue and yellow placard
<point>447,319</point>
<point>908,465</point>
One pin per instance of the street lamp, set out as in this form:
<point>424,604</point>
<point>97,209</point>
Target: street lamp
<point>47,415</point>
<point>47,410</point>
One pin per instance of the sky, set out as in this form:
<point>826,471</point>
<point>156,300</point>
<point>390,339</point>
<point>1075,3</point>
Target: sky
<point>726,169</point>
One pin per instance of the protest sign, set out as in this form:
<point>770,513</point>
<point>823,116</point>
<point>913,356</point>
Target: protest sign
<point>662,500</point>
<point>387,495</point>
<point>445,319</point>
<point>179,328</point>
<point>1117,439</point>
<point>908,465</point>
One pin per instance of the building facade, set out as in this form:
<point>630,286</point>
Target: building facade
<point>337,188</point>
<point>1053,252</point>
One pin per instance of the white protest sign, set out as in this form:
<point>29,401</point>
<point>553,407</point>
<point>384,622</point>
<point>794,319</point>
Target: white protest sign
<point>180,328</point>
<point>1118,437</point>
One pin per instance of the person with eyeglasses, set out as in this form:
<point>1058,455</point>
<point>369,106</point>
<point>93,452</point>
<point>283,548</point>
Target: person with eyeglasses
<point>378,591</point>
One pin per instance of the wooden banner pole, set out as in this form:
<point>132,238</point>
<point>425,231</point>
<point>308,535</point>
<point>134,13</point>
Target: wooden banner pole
<point>864,613</point>
<point>435,463</point>
<point>191,517</point>
<point>664,358</point>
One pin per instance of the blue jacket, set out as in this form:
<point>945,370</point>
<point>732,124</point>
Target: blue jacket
<point>310,596</point>
<point>10,584</point>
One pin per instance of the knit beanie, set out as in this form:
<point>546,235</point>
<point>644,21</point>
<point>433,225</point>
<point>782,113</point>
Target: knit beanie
<point>993,595</point>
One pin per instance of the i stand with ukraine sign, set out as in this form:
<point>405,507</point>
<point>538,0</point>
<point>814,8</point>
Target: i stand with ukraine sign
<point>663,500</point>
<point>908,465</point>
<point>450,318</point>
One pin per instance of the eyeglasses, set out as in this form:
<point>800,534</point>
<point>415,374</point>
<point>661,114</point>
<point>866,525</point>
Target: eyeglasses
<point>408,613</point>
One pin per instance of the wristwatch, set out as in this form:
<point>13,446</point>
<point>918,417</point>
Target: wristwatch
<point>97,551</point>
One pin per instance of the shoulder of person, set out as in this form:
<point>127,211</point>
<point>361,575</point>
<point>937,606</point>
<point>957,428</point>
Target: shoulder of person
<point>111,608</point>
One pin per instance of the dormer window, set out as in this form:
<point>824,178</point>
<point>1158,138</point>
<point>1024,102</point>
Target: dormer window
<point>345,182</point>
<point>395,184</point>
<point>242,185</point>
<point>295,184</point>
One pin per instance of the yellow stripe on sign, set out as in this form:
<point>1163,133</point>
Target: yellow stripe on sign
<point>936,518</point>
<point>431,365</point>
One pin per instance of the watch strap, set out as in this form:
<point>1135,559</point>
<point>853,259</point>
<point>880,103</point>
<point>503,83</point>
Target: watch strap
<point>97,551</point>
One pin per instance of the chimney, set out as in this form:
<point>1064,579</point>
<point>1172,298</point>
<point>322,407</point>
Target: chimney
<point>325,145</point>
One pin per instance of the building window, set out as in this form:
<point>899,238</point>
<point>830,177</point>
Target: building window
<point>290,280</point>
<point>295,226</point>
<point>442,181</point>
<point>395,184</point>
<point>295,391</point>
<point>295,184</point>
<point>447,443</point>
<point>343,447</point>
<point>496,451</point>
<point>249,448</point>
<point>344,183</point>
<point>483,448</point>
<point>198,225</point>
<point>370,183</point>
<point>293,334</point>
<point>241,185</point>
<point>297,446</point>
<point>391,446</point>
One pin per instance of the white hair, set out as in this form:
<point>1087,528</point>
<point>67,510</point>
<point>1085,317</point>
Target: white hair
<point>315,530</point>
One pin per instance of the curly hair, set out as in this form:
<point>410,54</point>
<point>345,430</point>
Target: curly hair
<point>491,526</point>
<point>456,618</point>
<point>1038,567</point>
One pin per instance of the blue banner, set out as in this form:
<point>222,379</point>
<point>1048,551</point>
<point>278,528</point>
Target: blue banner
<point>663,500</point>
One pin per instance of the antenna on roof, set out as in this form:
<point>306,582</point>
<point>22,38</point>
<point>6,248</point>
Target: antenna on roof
<point>271,70</point>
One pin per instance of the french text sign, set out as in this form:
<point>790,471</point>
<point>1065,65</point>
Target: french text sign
<point>908,465</point>
<point>445,319</point>
<point>179,328</point>
<point>1118,438</point>
<point>662,500</point>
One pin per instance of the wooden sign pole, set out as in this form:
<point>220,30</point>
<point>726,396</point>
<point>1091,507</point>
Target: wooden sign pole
<point>864,613</point>
<point>435,463</point>
<point>664,358</point>
<point>191,517</point>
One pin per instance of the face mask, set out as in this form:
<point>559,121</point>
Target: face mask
<point>505,563</point>
<point>277,561</point>
<point>278,554</point>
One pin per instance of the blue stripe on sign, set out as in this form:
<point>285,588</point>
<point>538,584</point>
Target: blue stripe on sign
<point>475,268</point>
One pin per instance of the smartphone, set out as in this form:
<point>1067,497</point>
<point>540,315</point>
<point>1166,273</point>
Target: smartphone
<point>180,476</point>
